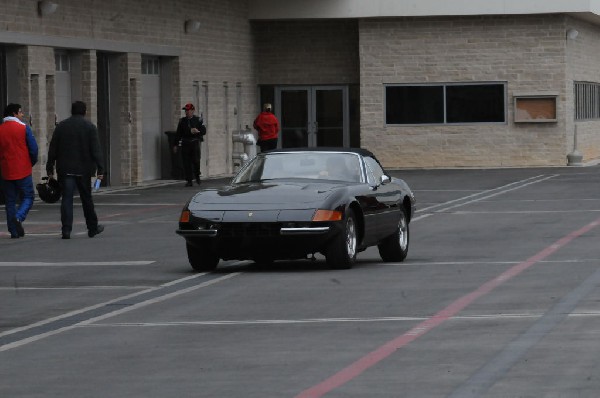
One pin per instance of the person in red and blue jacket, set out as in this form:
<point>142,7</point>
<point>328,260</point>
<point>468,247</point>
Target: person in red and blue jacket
<point>18,154</point>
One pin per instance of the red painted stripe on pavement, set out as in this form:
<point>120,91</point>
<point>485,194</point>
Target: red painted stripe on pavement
<point>374,357</point>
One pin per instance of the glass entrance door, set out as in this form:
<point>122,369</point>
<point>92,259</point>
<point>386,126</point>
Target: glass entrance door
<point>330,116</point>
<point>293,115</point>
<point>313,116</point>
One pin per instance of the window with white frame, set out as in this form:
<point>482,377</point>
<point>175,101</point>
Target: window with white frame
<point>587,101</point>
<point>445,103</point>
<point>62,61</point>
<point>150,66</point>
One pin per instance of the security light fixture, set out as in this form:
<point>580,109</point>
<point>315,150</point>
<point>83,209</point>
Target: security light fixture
<point>46,7</point>
<point>191,26</point>
<point>572,34</point>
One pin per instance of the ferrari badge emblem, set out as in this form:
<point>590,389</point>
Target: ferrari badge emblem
<point>250,214</point>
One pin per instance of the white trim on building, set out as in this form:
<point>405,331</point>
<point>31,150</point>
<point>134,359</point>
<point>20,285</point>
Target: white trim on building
<point>335,9</point>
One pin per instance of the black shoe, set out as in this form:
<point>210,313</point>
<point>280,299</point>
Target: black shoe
<point>95,232</point>
<point>188,184</point>
<point>14,236</point>
<point>66,236</point>
<point>19,227</point>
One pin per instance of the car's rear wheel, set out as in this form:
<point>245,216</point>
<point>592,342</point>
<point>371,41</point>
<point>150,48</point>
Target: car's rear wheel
<point>201,260</point>
<point>395,246</point>
<point>341,253</point>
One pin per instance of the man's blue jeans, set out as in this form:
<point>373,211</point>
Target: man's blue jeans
<point>68,185</point>
<point>11,192</point>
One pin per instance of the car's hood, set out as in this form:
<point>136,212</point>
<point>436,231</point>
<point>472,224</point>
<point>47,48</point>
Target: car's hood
<point>266,195</point>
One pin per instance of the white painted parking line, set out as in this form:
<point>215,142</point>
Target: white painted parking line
<point>90,310</point>
<point>421,216</point>
<point>425,263</point>
<point>136,204</point>
<point>503,191</point>
<point>465,212</point>
<point>327,320</point>
<point>73,263</point>
<point>12,288</point>
<point>476,197</point>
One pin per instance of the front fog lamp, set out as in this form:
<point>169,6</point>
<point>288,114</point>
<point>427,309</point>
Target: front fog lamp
<point>327,215</point>
<point>185,216</point>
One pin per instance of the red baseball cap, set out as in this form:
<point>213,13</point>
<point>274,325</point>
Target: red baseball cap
<point>188,107</point>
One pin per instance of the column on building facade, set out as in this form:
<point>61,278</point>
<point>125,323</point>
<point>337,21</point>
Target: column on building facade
<point>130,99</point>
<point>36,95</point>
<point>89,83</point>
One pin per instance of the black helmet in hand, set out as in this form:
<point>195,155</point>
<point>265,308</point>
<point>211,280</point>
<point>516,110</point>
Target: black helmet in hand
<point>49,190</point>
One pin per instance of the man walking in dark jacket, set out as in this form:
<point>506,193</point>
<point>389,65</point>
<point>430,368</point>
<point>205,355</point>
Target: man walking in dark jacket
<point>75,148</point>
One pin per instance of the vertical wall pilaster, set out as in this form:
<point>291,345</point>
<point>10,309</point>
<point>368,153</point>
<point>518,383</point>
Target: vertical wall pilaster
<point>35,69</point>
<point>130,99</point>
<point>89,83</point>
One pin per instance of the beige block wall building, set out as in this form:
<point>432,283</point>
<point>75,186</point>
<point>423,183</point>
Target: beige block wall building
<point>212,67</point>
<point>328,67</point>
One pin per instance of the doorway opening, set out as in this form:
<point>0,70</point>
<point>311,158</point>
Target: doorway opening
<point>314,116</point>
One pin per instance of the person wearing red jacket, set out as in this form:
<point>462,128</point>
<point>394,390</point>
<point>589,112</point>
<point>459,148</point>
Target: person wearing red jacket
<point>18,154</point>
<point>267,125</point>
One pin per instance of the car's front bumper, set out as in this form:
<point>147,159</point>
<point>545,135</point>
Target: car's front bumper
<point>250,240</point>
<point>284,231</point>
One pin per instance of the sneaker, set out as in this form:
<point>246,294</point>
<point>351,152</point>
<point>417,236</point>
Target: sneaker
<point>95,232</point>
<point>19,227</point>
<point>188,184</point>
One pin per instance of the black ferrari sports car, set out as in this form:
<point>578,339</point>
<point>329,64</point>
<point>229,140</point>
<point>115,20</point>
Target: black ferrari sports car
<point>293,203</point>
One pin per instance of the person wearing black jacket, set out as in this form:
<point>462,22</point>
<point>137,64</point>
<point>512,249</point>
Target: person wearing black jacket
<point>75,149</point>
<point>190,132</point>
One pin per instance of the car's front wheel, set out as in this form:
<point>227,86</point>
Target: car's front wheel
<point>341,253</point>
<point>395,246</point>
<point>201,260</point>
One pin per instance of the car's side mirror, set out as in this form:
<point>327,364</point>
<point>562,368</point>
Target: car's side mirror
<point>384,179</point>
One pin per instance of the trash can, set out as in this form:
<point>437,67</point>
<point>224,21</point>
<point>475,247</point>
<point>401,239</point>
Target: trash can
<point>176,159</point>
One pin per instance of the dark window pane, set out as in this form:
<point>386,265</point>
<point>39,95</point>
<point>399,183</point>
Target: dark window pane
<point>475,103</point>
<point>414,104</point>
<point>267,96</point>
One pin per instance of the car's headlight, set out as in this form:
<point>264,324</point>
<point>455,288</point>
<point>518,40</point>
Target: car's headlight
<point>327,215</point>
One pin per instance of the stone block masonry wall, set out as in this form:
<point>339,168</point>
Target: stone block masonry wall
<point>89,80</point>
<point>307,52</point>
<point>526,52</point>
<point>583,60</point>
<point>220,51</point>
<point>36,71</point>
<point>220,54</point>
<point>131,118</point>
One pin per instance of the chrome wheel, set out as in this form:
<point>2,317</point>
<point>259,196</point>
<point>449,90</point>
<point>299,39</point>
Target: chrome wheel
<point>341,252</point>
<point>403,233</point>
<point>351,237</point>
<point>395,246</point>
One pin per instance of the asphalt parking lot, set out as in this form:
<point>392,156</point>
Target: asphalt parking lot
<point>498,298</point>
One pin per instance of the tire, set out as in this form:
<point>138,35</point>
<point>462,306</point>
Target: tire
<point>341,253</point>
<point>201,260</point>
<point>394,248</point>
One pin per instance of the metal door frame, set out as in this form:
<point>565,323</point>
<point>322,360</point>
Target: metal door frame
<point>312,127</point>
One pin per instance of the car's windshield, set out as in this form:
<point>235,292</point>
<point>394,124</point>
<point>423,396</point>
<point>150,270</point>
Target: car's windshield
<point>310,165</point>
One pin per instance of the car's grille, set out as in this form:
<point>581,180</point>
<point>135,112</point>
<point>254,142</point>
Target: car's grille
<point>235,230</point>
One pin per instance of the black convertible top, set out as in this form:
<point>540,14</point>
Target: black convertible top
<point>359,151</point>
